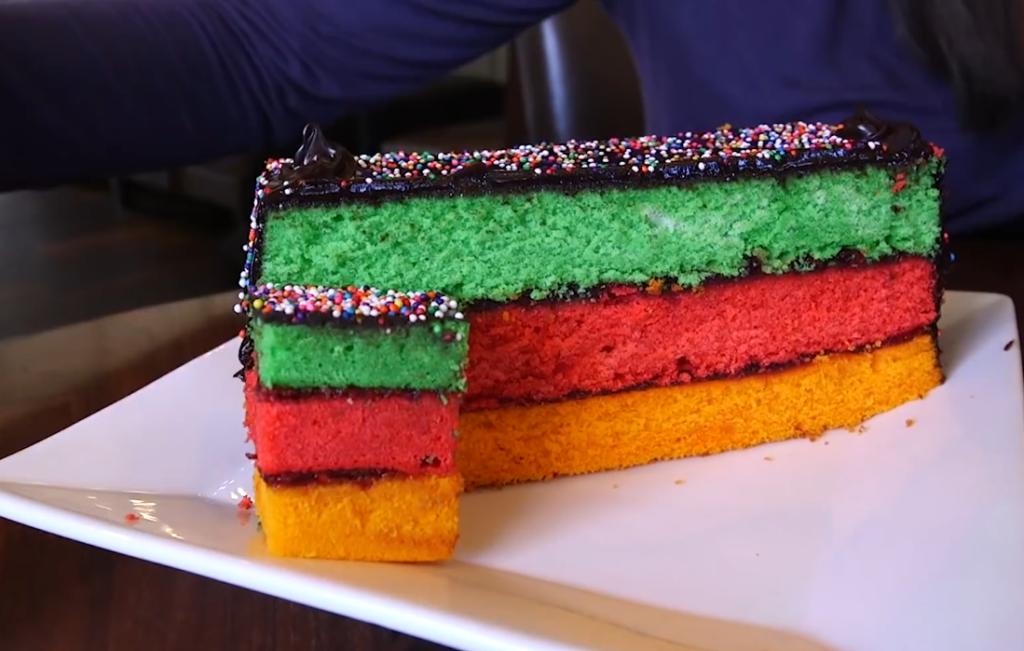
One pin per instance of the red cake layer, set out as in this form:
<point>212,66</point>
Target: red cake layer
<point>404,432</point>
<point>634,337</point>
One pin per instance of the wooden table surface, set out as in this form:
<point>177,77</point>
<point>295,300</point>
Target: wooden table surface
<point>56,594</point>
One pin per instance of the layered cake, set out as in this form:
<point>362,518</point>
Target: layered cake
<point>353,412</point>
<point>423,322</point>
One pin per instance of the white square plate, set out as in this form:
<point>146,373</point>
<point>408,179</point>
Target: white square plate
<point>905,537</point>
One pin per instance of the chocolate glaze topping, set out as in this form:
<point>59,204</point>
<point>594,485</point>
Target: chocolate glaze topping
<point>865,140</point>
<point>895,136</point>
<point>317,159</point>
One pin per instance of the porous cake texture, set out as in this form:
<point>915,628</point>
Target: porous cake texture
<point>620,430</point>
<point>355,464</point>
<point>382,517</point>
<point>544,242</point>
<point>339,358</point>
<point>571,308</point>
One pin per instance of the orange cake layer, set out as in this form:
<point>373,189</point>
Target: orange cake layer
<point>399,519</point>
<point>528,443</point>
<point>629,337</point>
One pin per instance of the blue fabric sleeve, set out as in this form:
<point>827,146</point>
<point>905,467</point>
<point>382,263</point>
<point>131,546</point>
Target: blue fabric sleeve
<point>95,88</point>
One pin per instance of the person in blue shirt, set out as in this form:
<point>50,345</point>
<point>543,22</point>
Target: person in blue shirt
<point>94,88</point>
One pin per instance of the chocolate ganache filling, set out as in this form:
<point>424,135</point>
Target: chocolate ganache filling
<point>362,477</point>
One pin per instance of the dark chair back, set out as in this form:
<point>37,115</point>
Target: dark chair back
<point>572,76</point>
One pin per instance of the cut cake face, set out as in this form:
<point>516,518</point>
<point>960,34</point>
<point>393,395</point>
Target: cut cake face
<point>352,403</point>
<point>572,308</point>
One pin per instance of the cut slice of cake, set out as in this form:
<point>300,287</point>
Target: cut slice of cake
<point>629,300</point>
<point>354,428</point>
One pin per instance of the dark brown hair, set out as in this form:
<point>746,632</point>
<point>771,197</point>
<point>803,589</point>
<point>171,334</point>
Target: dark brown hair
<point>977,45</point>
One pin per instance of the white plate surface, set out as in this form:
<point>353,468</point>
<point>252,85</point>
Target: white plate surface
<point>896,539</point>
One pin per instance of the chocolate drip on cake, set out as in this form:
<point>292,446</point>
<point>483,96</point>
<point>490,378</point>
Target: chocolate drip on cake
<point>317,159</point>
<point>895,136</point>
<point>246,349</point>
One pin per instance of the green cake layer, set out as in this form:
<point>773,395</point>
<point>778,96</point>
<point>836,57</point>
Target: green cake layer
<point>499,245</point>
<point>416,357</point>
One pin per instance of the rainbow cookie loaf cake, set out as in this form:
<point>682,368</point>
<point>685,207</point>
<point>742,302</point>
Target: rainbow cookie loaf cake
<point>420,323</point>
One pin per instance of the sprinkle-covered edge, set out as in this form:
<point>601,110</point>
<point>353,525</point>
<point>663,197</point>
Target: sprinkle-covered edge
<point>297,304</point>
<point>646,155</point>
<point>322,172</point>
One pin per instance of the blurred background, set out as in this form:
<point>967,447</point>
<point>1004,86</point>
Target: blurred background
<point>86,251</point>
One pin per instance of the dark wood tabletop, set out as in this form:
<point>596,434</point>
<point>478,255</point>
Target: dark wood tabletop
<point>56,594</point>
